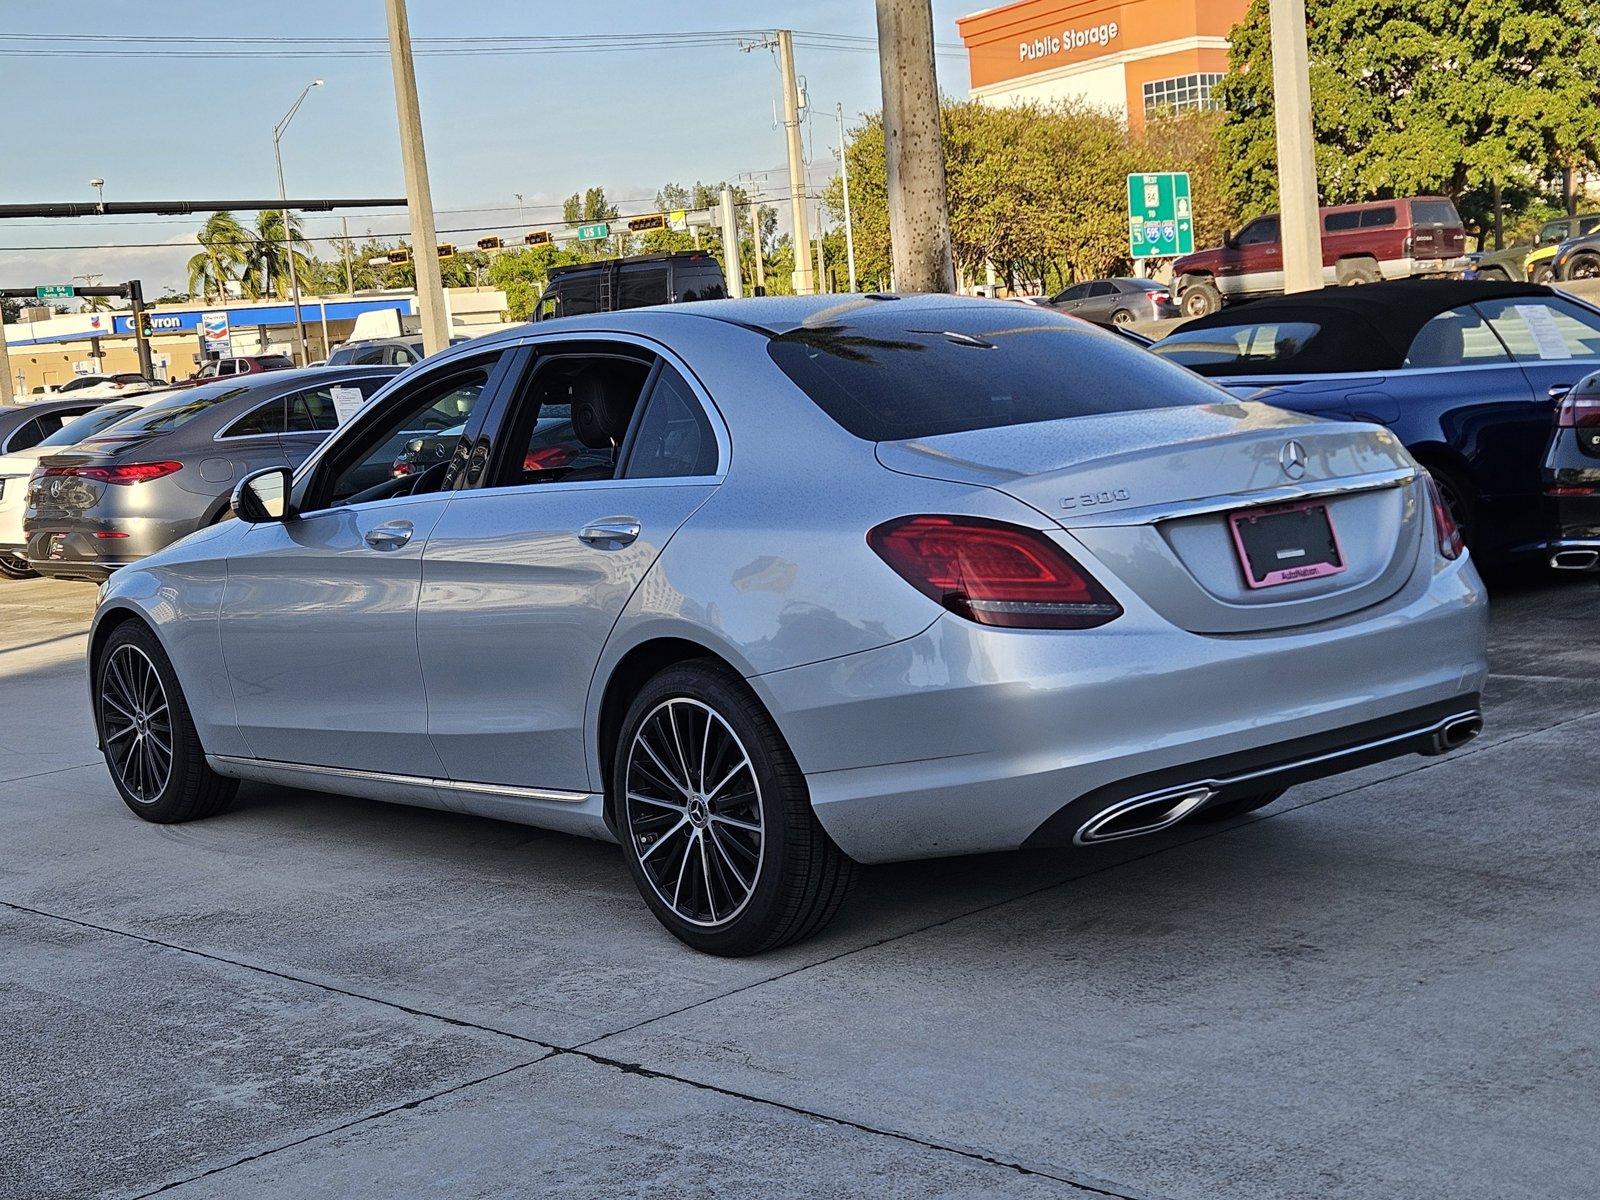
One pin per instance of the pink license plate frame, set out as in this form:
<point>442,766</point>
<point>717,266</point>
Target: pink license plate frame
<point>1290,574</point>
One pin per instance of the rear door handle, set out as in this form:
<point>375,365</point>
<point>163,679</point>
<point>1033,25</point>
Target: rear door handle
<point>391,535</point>
<point>610,535</point>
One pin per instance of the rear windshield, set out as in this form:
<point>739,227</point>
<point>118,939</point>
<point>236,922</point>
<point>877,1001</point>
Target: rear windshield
<point>89,424</point>
<point>889,376</point>
<point>164,418</point>
<point>1227,349</point>
<point>1434,212</point>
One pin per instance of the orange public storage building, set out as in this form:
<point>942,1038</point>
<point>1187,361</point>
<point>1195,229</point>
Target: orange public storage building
<point>1130,56</point>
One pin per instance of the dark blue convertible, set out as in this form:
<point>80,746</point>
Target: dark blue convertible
<point>1468,375</point>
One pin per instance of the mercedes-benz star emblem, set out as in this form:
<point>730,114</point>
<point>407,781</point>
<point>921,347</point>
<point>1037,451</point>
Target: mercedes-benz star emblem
<point>1292,458</point>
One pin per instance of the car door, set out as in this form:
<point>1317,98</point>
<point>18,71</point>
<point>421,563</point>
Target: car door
<point>1072,299</point>
<point>319,614</point>
<point>1258,259</point>
<point>1099,301</point>
<point>523,578</point>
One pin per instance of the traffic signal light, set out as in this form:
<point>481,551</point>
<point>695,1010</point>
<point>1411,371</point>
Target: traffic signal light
<point>146,328</point>
<point>539,237</point>
<point>647,222</point>
<point>490,243</point>
<point>447,249</point>
<point>400,254</point>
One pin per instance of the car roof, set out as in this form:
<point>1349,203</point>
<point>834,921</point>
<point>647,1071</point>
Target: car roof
<point>1366,328</point>
<point>256,386</point>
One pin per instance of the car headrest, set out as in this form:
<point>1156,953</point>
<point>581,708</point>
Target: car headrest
<point>603,396</point>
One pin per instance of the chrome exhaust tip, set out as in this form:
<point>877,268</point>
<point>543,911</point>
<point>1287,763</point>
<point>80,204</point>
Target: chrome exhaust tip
<point>1457,732</point>
<point>1140,815</point>
<point>1575,560</point>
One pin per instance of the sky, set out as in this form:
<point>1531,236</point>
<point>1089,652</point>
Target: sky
<point>163,118</point>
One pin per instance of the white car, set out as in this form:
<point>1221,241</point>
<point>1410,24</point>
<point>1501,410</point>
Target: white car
<point>16,467</point>
<point>124,383</point>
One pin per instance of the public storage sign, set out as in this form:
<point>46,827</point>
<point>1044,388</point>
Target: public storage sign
<point>1066,41</point>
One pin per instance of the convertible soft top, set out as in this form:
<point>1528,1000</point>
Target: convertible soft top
<point>1367,328</point>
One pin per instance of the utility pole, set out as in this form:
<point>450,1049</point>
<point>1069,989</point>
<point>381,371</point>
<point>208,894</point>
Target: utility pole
<point>822,269</point>
<point>849,228</point>
<point>919,218</point>
<point>730,246</point>
<point>1300,225</point>
<point>8,393</point>
<point>419,199</point>
<point>278,131</point>
<point>349,271</point>
<point>804,280</point>
<point>755,244</point>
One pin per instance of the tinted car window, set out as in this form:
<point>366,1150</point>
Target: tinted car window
<point>1588,225</point>
<point>642,285</point>
<point>581,295</point>
<point>164,418</point>
<point>1434,212</point>
<point>1459,337</point>
<point>1535,329</point>
<point>1102,287</point>
<point>1076,292</point>
<point>1378,218</point>
<point>1232,345</point>
<point>89,424</point>
<point>674,437</point>
<point>29,433</point>
<point>1259,233</point>
<point>700,283</point>
<point>312,412</point>
<point>264,419</point>
<point>1341,221</point>
<point>955,370</point>
<point>439,405</point>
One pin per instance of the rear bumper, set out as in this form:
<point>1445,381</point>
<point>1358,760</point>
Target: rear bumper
<point>72,550</point>
<point>968,739</point>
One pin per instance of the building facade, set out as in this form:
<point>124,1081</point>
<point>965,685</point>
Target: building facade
<point>1133,57</point>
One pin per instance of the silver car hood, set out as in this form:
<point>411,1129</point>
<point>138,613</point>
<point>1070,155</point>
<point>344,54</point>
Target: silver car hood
<point>1083,469</point>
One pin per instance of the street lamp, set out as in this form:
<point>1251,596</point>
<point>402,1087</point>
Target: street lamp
<point>283,217</point>
<point>99,186</point>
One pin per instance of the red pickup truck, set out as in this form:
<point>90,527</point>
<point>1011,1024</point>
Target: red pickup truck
<point>1361,243</point>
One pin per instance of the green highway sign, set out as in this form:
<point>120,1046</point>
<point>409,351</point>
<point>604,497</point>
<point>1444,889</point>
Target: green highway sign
<point>1160,218</point>
<point>55,291</point>
<point>594,233</point>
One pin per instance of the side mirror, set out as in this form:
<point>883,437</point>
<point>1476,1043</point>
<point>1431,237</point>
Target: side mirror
<point>263,496</point>
<point>1230,240</point>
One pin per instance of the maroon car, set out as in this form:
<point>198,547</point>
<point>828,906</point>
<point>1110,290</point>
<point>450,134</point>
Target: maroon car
<point>1361,243</point>
<point>227,368</point>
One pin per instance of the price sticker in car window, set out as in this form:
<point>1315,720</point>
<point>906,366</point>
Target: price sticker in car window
<point>1547,338</point>
<point>347,402</point>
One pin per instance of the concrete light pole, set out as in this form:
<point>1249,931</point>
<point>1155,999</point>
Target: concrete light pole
<point>1300,225</point>
<point>919,219</point>
<point>805,282</point>
<point>278,131</point>
<point>730,246</point>
<point>849,226</point>
<point>419,197</point>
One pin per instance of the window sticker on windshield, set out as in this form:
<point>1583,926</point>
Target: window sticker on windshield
<point>347,402</point>
<point>1547,339</point>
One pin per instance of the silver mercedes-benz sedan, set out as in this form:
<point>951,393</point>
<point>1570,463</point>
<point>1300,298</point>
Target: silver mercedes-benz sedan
<point>763,589</point>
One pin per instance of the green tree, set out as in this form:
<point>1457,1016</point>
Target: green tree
<point>224,256</point>
<point>1409,96</point>
<point>590,207</point>
<point>522,275</point>
<point>278,244</point>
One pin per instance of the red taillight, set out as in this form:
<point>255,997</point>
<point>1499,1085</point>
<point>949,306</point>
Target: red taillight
<point>1451,543</point>
<point>1578,412</point>
<point>123,476</point>
<point>548,458</point>
<point>1161,297</point>
<point>402,467</point>
<point>109,535</point>
<point>992,573</point>
<point>1570,490</point>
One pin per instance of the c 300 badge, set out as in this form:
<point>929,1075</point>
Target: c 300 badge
<point>1095,499</point>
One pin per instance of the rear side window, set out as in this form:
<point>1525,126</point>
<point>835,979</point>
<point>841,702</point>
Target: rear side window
<point>1455,338</point>
<point>1102,287</point>
<point>1434,212</point>
<point>1339,222</point>
<point>580,295</point>
<point>674,438</point>
<point>1378,218</point>
<point>640,286</point>
<point>1217,351</point>
<point>885,378</point>
<point>314,412</point>
<point>264,419</point>
<point>1539,329</point>
<point>701,283</point>
<point>29,433</point>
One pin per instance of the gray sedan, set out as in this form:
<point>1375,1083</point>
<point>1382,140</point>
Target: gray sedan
<point>170,468</point>
<point>813,582</point>
<point>1117,301</point>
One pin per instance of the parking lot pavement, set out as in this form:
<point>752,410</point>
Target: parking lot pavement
<point>1384,985</point>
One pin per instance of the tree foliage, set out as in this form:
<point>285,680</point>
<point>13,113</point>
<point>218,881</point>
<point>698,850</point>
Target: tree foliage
<point>1422,96</point>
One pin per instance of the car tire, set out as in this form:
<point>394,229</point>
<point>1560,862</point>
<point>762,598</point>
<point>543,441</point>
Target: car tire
<point>1583,266</point>
<point>146,733</point>
<point>1200,299</point>
<point>1495,274</point>
<point>729,855</point>
<point>1229,809</point>
<point>1355,271</point>
<point>1122,317</point>
<point>14,567</point>
<point>1541,274</point>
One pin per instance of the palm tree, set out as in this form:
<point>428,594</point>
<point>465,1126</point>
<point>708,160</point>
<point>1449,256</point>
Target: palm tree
<point>225,256</point>
<point>270,258</point>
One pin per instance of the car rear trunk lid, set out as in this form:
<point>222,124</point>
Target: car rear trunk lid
<point>1150,495</point>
